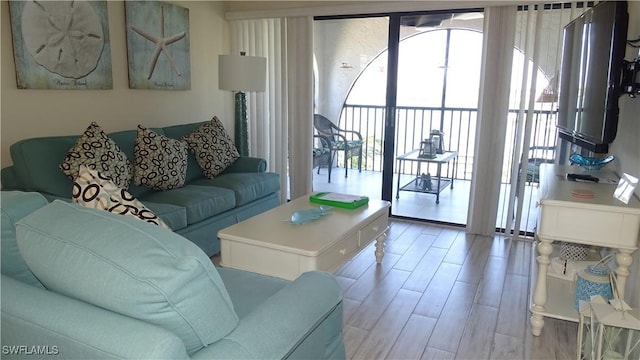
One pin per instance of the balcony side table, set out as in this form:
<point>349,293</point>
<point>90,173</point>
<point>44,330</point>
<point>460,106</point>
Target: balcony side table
<point>441,182</point>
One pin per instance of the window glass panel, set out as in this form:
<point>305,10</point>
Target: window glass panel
<point>463,76</point>
<point>421,69</point>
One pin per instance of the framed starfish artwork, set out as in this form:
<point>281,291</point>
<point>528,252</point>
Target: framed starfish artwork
<point>157,45</point>
<point>61,44</point>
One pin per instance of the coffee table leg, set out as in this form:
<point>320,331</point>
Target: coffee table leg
<point>380,247</point>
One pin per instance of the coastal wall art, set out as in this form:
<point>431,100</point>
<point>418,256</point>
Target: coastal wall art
<point>61,44</point>
<point>157,45</point>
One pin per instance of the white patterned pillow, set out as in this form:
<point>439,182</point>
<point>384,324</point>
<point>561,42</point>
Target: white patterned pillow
<point>98,152</point>
<point>94,190</point>
<point>213,148</point>
<point>159,162</point>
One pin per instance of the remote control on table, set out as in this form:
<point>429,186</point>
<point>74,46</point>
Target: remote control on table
<point>582,177</point>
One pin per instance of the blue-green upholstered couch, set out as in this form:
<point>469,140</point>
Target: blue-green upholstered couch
<point>66,267</point>
<point>196,211</point>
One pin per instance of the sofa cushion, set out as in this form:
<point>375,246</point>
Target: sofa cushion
<point>212,147</point>
<point>200,202</point>
<point>15,206</point>
<point>246,186</point>
<point>174,216</point>
<point>98,151</point>
<point>248,290</point>
<point>92,189</point>
<point>159,162</point>
<point>129,267</point>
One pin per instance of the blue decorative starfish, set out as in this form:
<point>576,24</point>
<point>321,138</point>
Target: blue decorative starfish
<point>162,44</point>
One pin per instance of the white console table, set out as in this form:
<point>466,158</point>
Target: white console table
<point>602,221</point>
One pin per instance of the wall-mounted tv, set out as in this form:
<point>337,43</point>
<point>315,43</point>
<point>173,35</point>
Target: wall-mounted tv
<point>590,76</point>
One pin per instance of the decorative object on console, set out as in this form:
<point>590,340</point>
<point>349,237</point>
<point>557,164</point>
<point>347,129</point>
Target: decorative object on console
<point>98,151</point>
<point>212,147</point>
<point>61,45</point>
<point>155,28</point>
<point>242,73</point>
<point>94,190</point>
<point>160,162</point>
<point>608,330</point>
<point>590,163</point>
<point>594,280</point>
<point>571,251</point>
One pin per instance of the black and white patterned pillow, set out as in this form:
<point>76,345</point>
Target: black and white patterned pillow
<point>159,162</point>
<point>213,148</point>
<point>95,149</point>
<point>94,190</point>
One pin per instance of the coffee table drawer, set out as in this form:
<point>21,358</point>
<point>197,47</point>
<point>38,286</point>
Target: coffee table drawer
<point>338,254</point>
<point>374,229</point>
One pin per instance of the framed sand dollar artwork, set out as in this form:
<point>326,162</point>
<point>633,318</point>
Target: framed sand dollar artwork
<point>157,45</point>
<point>61,44</point>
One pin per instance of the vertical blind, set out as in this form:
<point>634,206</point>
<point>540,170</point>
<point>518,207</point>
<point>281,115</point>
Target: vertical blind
<point>281,118</point>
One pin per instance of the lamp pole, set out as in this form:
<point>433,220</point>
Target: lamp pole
<point>242,126</point>
<point>241,74</point>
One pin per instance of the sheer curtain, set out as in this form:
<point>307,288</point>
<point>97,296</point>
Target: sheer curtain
<point>495,75</point>
<point>512,92</point>
<point>280,119</point>
<point>539,37</point>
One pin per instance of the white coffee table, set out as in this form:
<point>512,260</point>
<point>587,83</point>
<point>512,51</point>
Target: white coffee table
<point>270,244</point>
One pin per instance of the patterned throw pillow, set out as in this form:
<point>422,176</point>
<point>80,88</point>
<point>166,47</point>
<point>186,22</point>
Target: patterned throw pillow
<point>213,148</point>
<point>99,152</point>
<point>93,190</point>
<point>160,162</point>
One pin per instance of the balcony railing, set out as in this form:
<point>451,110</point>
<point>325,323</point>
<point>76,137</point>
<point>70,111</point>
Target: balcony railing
<point>413,124</point>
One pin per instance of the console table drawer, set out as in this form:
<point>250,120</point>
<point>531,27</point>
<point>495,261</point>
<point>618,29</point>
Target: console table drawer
<point>374,229</point>
<point>588,226</point>
<point>336,255</point>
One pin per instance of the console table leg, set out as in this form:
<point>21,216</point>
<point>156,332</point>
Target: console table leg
<point>544,249</point>
<point>624,260</point>
<point>380,247</point>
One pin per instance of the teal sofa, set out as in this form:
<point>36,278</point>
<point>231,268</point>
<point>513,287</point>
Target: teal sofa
<point>196,211</point>
<point>81,283</point>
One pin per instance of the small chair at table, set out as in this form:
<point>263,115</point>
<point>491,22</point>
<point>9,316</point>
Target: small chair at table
<point>339,140</point>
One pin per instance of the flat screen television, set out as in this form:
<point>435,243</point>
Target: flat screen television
<point>593,50</point>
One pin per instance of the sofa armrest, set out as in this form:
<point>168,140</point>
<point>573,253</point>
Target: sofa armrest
<point>278,327</point>
<point>73,329</point>
<point>9,179</point>
<point>247,164</point>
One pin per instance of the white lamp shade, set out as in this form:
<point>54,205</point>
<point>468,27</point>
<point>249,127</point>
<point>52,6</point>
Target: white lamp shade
<point>242,73</point>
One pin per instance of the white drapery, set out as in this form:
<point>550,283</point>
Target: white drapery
<point>539,34</point>
<point>495,78</point>
<point>280,119</point>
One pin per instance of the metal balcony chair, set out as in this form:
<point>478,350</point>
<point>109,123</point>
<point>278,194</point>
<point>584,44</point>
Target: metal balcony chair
<point>339,140</point>
<point>322,154</point>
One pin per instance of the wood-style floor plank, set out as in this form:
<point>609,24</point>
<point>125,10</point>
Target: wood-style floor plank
<point>382,337</point>
<point>443,294</point>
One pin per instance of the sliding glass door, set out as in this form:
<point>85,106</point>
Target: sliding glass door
<point>397,80</point>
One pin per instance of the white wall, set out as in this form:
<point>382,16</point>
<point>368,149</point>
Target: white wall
<point>626,147</point>
<point>30,113</point>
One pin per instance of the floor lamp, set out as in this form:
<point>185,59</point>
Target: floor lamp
<point>242,73</point>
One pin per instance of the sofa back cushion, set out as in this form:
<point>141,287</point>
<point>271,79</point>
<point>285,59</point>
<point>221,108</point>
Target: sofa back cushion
<point>177,132</point>
<point>36,162</point>
<point>15,206</point>
<point>129,267</point>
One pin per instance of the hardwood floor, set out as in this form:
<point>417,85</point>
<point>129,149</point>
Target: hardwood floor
<point>442,294</point>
